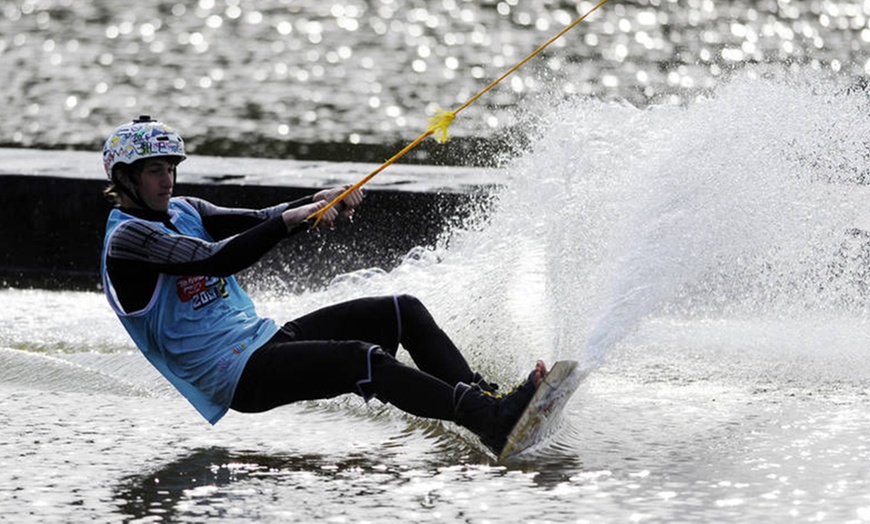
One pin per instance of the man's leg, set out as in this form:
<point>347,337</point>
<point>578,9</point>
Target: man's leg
<point>283,372</point>
<point>388,322</point>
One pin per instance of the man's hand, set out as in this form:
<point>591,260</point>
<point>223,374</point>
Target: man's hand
<point>350,202</point>
<point>297,215</point>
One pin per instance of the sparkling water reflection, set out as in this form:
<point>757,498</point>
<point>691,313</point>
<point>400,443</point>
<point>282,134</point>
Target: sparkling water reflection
<point>372,72</point>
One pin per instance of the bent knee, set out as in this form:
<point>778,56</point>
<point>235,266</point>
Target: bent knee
<point>377,361</point>
<point>409,301</point>
<point>411,307</point>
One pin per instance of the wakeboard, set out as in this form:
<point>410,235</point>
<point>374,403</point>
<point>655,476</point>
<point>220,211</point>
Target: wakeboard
<point>541,416</point>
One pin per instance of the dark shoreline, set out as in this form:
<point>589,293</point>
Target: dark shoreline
<point>53,214</point>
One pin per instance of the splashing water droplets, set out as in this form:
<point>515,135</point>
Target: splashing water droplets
<point>733,208</point>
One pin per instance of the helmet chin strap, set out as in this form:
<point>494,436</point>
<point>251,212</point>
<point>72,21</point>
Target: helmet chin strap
<point>131,193</point>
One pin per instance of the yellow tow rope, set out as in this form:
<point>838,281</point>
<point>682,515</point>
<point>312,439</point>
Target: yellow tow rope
<point>440,122</point>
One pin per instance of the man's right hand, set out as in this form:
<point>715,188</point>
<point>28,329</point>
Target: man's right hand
<point>297,215</point>
<point>348,204</point>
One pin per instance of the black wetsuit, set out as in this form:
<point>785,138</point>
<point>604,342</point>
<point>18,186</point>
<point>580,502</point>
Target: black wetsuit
<point>344,348</point>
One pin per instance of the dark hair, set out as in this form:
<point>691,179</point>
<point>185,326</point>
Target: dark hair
<point>132,171</point>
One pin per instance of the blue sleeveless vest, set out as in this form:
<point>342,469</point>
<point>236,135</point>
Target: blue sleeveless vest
<point>197,331</point>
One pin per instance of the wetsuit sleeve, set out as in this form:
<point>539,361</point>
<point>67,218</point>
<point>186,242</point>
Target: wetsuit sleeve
<point>224,222</point>
<point>146,244</point>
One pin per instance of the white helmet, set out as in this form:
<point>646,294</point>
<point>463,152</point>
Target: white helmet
<point>141,138</point>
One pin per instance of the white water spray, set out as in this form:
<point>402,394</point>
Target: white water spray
<point>736,205</point>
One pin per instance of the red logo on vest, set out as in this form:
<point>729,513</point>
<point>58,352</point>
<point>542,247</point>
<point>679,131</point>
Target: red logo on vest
<point>200,290</point>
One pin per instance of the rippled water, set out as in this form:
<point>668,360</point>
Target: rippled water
<point>280,78</point>
<point>701,248</point>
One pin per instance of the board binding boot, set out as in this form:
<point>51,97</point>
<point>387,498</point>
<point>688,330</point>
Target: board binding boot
<point>491,417</point>
<point>477,380</point>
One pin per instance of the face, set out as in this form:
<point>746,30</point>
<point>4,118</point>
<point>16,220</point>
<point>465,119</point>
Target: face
<point>156,182</point>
